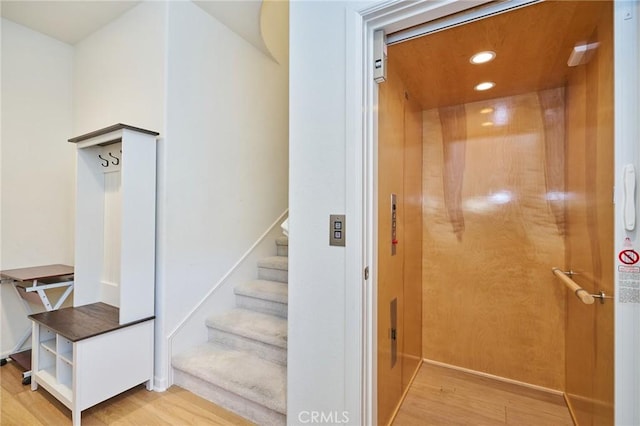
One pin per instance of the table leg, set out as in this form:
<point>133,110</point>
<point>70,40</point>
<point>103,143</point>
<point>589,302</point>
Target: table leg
<point>35,352</point>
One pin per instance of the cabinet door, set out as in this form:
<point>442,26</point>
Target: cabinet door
<point>111,363</point>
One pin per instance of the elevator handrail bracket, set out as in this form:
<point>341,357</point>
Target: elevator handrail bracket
<point>580,292</point>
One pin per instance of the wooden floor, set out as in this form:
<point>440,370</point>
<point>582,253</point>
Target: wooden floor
<point>20,406</point>
<point>438,396</point>
<point>442,396</point>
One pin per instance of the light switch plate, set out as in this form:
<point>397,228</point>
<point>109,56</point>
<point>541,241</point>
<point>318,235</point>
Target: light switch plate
<point>337,230</point>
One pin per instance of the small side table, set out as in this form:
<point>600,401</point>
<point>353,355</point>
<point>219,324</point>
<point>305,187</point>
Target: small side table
<point>32,284</point>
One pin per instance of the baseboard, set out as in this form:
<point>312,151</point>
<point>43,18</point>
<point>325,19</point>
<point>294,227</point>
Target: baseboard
<point>404,394</point>
<point>575,402</point>
<point>160,385</point>
<point>494,377</point>
<point>225,277</point>
<point>570,407</point>
<point>23,344</point>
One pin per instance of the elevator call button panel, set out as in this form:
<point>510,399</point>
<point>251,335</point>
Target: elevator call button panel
<point>337,230</point>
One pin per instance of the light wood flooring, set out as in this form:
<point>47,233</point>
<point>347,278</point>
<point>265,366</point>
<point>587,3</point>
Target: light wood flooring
<point>438,396</point>
<point>20,406</point>
<point>443,396</point>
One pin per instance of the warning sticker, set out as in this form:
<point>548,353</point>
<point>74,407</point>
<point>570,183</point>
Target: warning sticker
<point>629,257</point>
<point>628,284</point>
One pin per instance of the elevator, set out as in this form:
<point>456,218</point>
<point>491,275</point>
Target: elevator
<point>490,174</point>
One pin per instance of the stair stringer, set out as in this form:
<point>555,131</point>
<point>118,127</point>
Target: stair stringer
<point>221,298</point>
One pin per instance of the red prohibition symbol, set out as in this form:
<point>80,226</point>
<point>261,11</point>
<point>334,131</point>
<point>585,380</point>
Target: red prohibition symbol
<point>629,257</point>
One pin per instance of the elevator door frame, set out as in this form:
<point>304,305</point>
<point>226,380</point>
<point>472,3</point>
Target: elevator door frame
<point>361,180</point>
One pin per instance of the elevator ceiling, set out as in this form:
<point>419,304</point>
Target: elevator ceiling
<point>532,46</point>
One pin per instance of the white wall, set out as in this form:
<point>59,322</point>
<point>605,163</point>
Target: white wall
<point>317,285</point>
<point>119,72</point>
<point>627,131</point>
<point>225,160</point>
<point>38,165</point>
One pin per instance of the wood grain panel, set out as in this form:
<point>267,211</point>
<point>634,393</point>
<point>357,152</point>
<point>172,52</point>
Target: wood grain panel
<point>390,268</point>
<point>589,242</point>
<point>454,139</point>
<point>490,303</point>
<point>497,181</point>
<point>412,289</point>
<point>399,275</point>
<point>553,116</point>
<point>532,46</point>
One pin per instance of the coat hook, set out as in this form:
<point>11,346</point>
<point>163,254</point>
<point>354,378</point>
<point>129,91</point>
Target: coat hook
<point>117,160</point>
<point>106,162</point>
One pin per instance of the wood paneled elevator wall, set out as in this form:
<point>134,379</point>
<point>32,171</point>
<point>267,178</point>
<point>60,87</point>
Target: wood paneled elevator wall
<point>589,237</point>
<point>399,275</point>
<point>515,181</point>
<point>492,232</point>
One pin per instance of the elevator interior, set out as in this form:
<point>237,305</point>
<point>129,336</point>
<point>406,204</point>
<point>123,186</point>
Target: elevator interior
<point>493,188</point>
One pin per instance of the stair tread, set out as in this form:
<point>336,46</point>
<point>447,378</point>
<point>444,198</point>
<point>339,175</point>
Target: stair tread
<point>274,262</point>
<point>239,372</point>
<point>282,241</point>
<point>253,325</point>
<point>263,289</point>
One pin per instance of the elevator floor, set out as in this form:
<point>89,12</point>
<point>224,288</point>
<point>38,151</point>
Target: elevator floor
<point>443,396</point>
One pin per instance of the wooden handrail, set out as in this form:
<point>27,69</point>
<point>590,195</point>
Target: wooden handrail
<point>580,292</point>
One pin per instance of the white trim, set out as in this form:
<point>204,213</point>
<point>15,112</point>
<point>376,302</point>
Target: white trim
<point>627,133</point>
<point>397,15</point>
<point>226,276</point>
<point>481,12</point>
<point>355,258</point>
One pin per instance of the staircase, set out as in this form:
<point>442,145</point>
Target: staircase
<point>243,366</point>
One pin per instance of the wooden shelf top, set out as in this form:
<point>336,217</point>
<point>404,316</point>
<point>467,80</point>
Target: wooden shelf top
<point>83,322</point>
<point>37,272</point>
<point>110,129</point>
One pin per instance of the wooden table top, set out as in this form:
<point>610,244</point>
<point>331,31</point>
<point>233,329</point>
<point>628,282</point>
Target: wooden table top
<point>83,322</point>
<point>37,272</point>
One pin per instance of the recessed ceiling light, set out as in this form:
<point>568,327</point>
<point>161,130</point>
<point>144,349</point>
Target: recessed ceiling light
<point>487,110</point>
<point>485,86</point>
<point>487,124</point>
<point>482,57</point>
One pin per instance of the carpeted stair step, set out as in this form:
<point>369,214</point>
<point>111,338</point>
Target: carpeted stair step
<point>241,382</point>
<point>274,268</point>
<point>263,335</point>
<point>268,297</point>
<point>282,246</point>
